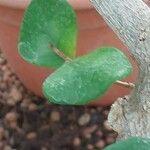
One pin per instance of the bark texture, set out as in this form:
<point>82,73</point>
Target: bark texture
<point>130,20</point>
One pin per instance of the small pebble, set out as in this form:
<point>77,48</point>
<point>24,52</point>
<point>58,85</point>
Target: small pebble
<point>44,148</point>
<point>106,112</point>
<point>99,133</point>
<point>93,110</point>
<point>2,145</point>
<point>10,102</point>
<point>87,136</point>
<point>7,73</point>
<point>17,83</point>
<point>32,107</point>
<point>7,148</point>
<point>25,102</point>
<point>89,130</point>
<point>13,125</point>
<point>11,117</point>
<point>76,141</point>
<point>106,126</point>
<point>13,79</point>
<point>15,94</point>
<point>2,133</point>
<point>110,140</point>
<point>3,86</point>
<point>31,135</point>
<point>21,89</point>
<point>11,120</point>
<point>100,144</point>
<point>113,135</point>
<point>84,119</point>
<point>90,147</point>
<point>5,96</point>
<point>2,61</point>
<point>4,68</point>
<point>99,109</point>
<point>55,116</point>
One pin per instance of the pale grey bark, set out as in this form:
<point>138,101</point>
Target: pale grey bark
<point>130,20</point>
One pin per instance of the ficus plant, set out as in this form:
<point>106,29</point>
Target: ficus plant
<point>48,38</point>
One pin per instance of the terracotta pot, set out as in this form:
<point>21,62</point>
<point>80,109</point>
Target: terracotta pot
<point>93,33</point>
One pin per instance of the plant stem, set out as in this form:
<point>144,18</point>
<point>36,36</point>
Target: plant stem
<point>125,84</point>
<point>65,58</point>
<point>60,53</point>
<point>130,20</point>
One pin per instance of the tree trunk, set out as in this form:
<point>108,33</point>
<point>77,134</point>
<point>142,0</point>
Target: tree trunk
<point>130,20</point>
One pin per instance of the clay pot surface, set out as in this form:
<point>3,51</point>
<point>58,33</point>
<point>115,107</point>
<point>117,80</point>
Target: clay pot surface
<point>92,33</point>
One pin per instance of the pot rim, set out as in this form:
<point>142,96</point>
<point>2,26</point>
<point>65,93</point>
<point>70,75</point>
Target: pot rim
<point>22,4</point>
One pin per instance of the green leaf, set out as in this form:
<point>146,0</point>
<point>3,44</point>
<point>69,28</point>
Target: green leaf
<point>48,23</point>
<point>80,81</point>
<point>132,143</point>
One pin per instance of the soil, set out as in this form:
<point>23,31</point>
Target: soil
<point>28,122</point>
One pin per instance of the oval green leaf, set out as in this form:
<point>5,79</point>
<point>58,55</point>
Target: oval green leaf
<point>82,80</point>
<point>47,24</point>
<point>132,143</point>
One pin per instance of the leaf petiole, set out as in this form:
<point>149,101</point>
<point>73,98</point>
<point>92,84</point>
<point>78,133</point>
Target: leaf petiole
<point>60,53</point>
<point>125,84</point>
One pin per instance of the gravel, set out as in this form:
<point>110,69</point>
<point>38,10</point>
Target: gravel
<point>28,122</point>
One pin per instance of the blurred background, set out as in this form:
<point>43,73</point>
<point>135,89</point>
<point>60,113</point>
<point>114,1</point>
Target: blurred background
<point>28,122</point>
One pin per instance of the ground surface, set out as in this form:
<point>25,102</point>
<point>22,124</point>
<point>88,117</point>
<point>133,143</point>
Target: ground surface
<point>28,122</point>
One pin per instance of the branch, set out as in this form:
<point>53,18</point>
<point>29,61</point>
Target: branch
<point>130,20</point>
